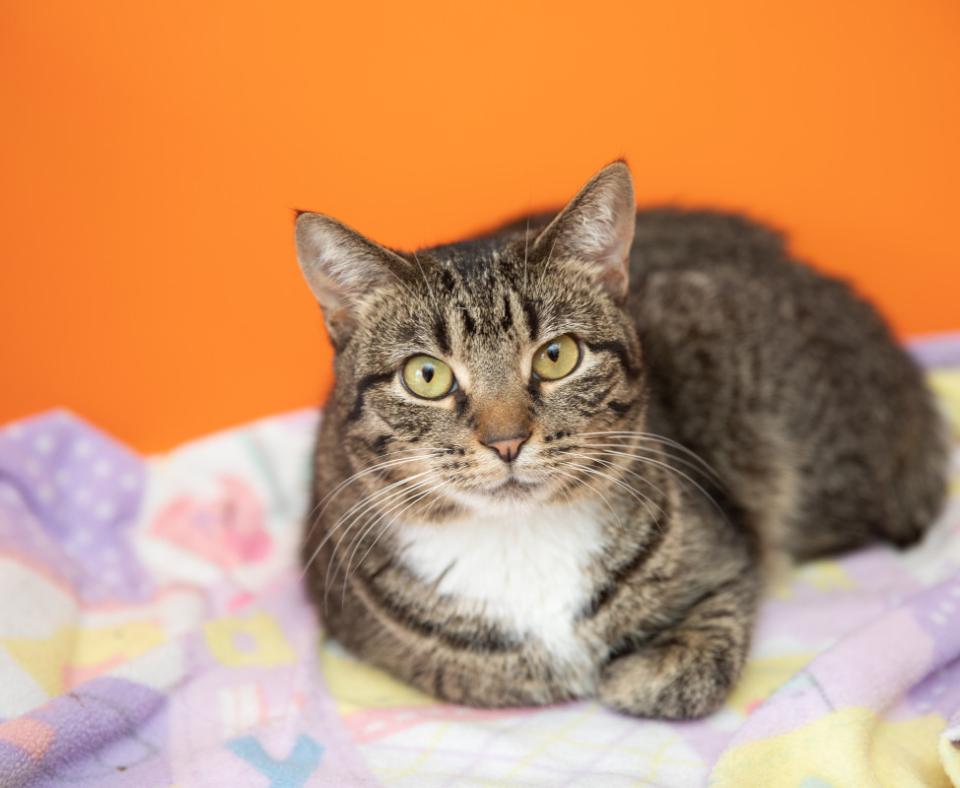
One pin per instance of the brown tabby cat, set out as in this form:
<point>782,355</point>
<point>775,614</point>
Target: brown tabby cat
<point>555,455</point>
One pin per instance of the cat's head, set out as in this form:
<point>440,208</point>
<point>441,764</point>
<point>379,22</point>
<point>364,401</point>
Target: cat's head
<point>480,373</point>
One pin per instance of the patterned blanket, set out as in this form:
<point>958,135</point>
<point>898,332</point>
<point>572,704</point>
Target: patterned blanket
<point>153,632</point>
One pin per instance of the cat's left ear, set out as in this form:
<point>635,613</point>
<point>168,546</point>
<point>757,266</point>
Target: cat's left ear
<point>596,228</point>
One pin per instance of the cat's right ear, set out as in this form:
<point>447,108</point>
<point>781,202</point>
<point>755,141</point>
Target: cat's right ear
<point>342,268</point>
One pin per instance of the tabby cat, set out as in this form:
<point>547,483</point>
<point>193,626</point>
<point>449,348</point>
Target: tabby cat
<point>557,456</point>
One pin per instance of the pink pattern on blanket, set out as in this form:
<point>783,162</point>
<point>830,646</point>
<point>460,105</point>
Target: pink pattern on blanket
<point>227,528</point>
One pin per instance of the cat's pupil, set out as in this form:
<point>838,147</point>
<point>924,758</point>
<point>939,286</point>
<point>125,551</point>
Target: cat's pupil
<point>553,352</point>
<point>427,371</point>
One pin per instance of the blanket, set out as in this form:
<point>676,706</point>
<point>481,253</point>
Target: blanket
<point>154,632</point>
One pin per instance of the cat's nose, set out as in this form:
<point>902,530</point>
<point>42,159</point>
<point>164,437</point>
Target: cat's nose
<point>506,448</point>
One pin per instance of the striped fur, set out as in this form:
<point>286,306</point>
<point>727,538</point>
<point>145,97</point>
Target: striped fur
<point>730,403</point>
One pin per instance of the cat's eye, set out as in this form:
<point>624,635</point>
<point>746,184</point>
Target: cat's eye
<point>557,358</point>
<point>428,377</point>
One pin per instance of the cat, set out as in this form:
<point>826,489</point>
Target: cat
<point>558,457</point>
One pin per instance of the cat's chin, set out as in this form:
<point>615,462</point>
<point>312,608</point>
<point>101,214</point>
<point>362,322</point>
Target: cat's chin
<point>508,494</point>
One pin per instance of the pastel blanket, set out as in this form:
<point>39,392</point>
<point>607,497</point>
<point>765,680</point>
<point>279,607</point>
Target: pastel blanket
<point>153,632</point>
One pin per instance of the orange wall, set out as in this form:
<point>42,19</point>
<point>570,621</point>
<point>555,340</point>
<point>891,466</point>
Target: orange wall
<point>151,153</point>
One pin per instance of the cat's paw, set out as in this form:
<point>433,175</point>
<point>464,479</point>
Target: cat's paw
<point>678,679</point>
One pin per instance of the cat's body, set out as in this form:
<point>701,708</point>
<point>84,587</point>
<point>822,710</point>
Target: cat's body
<point>727,405</point>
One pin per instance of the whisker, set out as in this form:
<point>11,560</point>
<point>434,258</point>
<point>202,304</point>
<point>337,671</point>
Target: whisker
<point>365,500</point>
<point>387,518</point>
<point>655,437</point>
<point>424,275</point>
<point>678,472</point>
<point>403,285</point>
<point>366,470</point>
<point>659,451</point>
<point>643,500</point>
<point>546,265</point>
<point>652,436</point>
<point>596,458</point>
<point>378,498</point>
<point>314,515</point>
<point>430,508</point>
<point>593,489</point>
<point>396,496</point>
<point>377,513</point>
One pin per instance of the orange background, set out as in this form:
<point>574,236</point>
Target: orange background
<point>151,153</point>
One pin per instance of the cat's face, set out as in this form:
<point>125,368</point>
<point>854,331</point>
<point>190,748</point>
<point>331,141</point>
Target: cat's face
<point>478,375</point>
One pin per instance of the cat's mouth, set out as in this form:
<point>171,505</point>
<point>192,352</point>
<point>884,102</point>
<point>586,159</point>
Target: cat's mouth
<point>512,487</point>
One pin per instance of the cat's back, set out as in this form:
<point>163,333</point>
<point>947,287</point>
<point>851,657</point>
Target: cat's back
<point>786,380</point>
<point>674,238</point>
<point>729,287</point>
<point>724,290</point>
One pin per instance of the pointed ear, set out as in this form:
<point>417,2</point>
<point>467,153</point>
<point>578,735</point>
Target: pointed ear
<point>596,228</point>
<point>341,267</point>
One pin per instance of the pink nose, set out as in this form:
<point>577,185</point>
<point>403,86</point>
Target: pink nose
<point>507,448</point>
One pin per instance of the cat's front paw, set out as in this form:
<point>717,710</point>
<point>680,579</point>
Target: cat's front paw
<point>679,678</point>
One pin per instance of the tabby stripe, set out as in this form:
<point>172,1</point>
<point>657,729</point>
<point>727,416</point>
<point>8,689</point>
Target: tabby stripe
<point>534,390</point>
<point>469,324</point>
<point>629,568</point>
<point>380,443</point>
<point>695,624</point>
<point>507,314</point>
<point>440,333</point>
<point>447,279</point>
<point>460,402</point>
<point>483,641</point>
<point>708,629</point>
<point>616,348</point>
<point>710,594</point>
<point>533,322</point>
<point>621,407</point>
<point>438,680</point>
<point>365,383</point>
<point>592,400</point>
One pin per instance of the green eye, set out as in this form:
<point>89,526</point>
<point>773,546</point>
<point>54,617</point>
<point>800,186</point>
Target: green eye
<point>557,358</point>
<point>428,377</point>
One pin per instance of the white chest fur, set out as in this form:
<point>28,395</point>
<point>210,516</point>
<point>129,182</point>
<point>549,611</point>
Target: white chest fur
<point>525,570</point>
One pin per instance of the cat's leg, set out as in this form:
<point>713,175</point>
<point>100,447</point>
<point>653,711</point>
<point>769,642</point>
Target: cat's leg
<point>688,670</point>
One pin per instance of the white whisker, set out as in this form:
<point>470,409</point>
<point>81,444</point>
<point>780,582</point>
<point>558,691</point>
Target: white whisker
<point>546,265</point>
<point>392,514</point>
<point>321,505</point>
<point>394,497</point>
<point>659,451</point>
<point>364,501</point>
<point>642,499</point>
<point>594,457</point>
<point>676,471</point>
<point>653,436</point>
<point>424,275</point>
<point>383,530</point>
<point>595,491</point>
